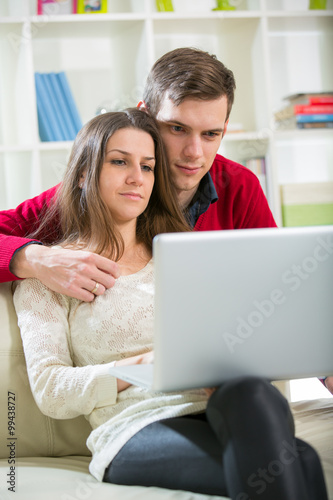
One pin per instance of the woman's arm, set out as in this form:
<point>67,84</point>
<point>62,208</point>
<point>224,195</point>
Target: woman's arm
<point>60,389</point>
<point>328,382</point>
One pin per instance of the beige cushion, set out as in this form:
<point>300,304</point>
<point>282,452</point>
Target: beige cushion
<point>314,424</point>
<point>36,434</point>
<point>68,479</point>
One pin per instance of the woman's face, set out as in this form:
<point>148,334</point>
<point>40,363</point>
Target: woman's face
<point>127,175</point>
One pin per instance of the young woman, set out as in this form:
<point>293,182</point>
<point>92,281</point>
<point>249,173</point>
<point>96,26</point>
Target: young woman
<point>115,197</point>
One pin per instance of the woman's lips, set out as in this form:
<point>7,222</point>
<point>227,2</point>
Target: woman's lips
<point>132,196</point>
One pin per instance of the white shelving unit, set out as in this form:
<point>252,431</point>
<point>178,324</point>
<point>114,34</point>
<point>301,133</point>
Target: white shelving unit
<point>274,47</point>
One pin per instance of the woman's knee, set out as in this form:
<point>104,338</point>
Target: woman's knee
<point>252,397</point>
<point>247,390</point>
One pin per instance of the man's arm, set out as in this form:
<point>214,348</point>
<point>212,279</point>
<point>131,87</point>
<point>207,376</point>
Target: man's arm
<point>15,225</point>
<point>70,272</point>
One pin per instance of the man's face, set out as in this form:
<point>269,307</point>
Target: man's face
<point>192,134</point>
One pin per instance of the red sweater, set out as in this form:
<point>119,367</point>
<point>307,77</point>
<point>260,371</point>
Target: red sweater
<point>241,204</point>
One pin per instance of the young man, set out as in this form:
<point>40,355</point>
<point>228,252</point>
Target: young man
<point>191,94</point>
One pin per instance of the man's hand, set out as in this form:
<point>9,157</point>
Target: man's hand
<point>329,384</point>
<point>70,272</point>
<point>141,359</point>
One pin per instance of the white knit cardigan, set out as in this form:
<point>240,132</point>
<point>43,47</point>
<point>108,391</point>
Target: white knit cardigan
<point>69,347</point>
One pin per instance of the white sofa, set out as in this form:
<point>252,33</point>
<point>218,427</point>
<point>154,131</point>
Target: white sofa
<point>46,458</point>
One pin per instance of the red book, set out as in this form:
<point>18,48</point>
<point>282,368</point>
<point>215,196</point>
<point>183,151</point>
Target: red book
<point>321,100</point>
<point>313,109</point>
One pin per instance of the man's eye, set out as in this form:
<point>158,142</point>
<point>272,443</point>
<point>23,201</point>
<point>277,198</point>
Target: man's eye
<point>212,134</point>
<point>177,128</point>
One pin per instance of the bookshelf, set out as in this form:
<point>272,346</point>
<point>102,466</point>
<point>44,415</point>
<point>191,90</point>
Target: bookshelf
<point>274,47</point>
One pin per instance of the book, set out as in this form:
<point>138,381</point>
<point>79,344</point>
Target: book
<point>92,6</point>
<point>321,99</point>
<point>58,117</point>
<point>68,125</point>
<point>69,100</point>
<point>55,7</point>
<point>44,111</point>
<point>305,118</point>
<point>310,98</point>
<point>312,125</point>
<point>55,116</point>
<point>307,204</point>
<point>306,121</point>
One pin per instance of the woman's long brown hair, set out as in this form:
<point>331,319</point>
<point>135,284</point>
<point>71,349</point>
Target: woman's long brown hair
<point>85,220</point>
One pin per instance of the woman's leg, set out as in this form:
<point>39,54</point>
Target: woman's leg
<point>262,459</point>
<point>250,425</point>
<point>179,453</point>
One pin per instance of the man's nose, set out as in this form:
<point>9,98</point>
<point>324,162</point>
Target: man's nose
<point>193,148</point>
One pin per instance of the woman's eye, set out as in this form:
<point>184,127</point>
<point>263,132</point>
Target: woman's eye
<point>147,168</point>
<point>118,162</point>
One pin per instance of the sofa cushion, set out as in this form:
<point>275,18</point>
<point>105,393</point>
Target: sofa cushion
<point>314,424</point>
<point>37,435</point>
<point>68,479</point>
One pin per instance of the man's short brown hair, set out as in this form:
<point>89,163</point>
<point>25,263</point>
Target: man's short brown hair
<point>188,72</point>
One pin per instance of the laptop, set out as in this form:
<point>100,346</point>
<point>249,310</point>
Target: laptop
<point>251,302</point>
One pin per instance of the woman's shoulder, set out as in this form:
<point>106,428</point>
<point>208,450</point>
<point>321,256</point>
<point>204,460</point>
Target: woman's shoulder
<point>33,291</point>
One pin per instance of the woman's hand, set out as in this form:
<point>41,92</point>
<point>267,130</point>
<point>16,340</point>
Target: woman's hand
<point>209,390</point>
<point>329,384</point>
<point>141,359</point>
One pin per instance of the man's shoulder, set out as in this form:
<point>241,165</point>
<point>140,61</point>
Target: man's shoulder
<point>222,163</point>
<point>231,173</point>
<point>49,193</point>
<point>41,199</point>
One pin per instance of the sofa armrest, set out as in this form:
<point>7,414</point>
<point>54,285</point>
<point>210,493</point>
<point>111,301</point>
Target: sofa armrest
<point>36,434</point>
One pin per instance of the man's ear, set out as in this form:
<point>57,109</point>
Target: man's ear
<point>82,179</point>
<point>225,128</point>
<point>142,106</point>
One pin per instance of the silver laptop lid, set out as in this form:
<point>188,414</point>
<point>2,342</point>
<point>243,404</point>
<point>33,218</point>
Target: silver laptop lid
<point>245,302</point>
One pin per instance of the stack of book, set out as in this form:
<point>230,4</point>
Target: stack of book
<point>306,111</point>
<point>308,204</point>
<point>58,117</point>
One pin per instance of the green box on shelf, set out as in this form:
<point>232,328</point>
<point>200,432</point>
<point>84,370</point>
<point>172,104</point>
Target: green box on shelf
<point>164,5</point>
<point>317,4</point>
<point>308,204</point>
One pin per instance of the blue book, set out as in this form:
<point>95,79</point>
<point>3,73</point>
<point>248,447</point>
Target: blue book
<point>314,118</point>
<point>52,114</point>
<point>58,124</point>
<point>44,111</point>
<point>68,96</point>
<point>70,132</point>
